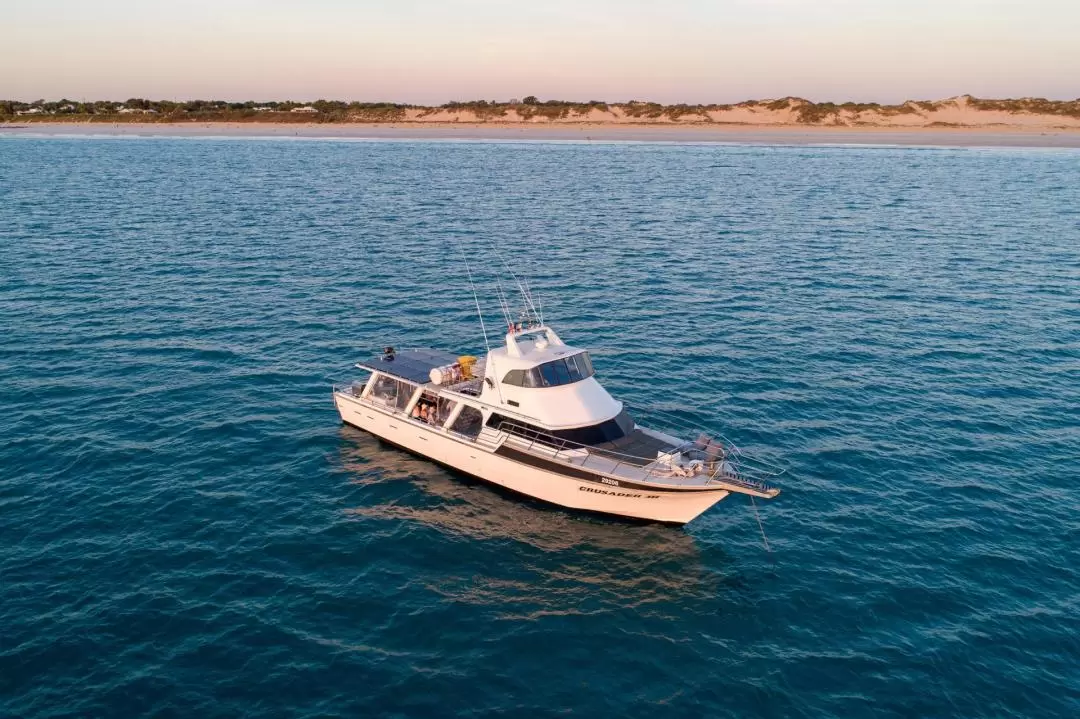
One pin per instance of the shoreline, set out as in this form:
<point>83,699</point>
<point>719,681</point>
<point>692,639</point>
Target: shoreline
<point>772,134</point>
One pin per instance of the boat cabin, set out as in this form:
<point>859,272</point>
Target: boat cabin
<point>534,384</point>
<point>538,377</point>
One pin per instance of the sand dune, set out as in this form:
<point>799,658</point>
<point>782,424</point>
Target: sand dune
<point>963,111</point>
<point>959,121</point>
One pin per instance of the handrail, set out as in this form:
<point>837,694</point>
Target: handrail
<point>749,470</point>
<point>730,471</point>
<point>560,445</point>
<point>734,454</point>
<point>564,443</point>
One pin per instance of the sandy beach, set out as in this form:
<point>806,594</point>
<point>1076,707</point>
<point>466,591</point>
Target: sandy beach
<point>583,132</point>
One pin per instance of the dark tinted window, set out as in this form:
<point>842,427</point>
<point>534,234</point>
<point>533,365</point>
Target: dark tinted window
<point>609,431</point>
<point>469,422</point>
<point>562,374</point>
<point>525,378</point>
<point>547,371</point>
<point>575,371</point>
<point>552,374</point>
<point>585,362</point>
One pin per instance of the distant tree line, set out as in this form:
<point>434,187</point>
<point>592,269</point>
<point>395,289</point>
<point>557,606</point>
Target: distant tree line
<point>529,107</point>
<point>137,105</point>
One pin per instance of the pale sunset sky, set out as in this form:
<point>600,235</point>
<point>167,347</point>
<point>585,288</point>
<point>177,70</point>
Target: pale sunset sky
<point>433,51</point>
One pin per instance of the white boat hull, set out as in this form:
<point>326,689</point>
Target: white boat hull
<point>661,505</point>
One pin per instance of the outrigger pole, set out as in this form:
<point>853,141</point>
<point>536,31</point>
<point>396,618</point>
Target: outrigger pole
<point>526,296</point>
<point>487,345</point>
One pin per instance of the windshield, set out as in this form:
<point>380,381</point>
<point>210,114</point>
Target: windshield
<point>556,373</point>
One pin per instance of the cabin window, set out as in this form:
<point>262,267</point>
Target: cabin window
<point>523,429</point>
<point>580,366</point>
<point>469,422</point>
<point>432,409</point>
<point>552,374</point>
<point>562,374</point>
<point>547,371</point>
<point>615,428</point>
<point>392,392</point>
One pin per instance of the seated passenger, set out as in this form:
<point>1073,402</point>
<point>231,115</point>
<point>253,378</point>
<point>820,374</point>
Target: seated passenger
<point>416,411</point>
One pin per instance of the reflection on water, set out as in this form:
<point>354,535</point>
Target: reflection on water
<point>573,563</point>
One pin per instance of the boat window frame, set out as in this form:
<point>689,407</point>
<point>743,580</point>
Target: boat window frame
<point>553,373</point>
<point>610,430</point>
<point>454,428</point>
<point>404,391</point>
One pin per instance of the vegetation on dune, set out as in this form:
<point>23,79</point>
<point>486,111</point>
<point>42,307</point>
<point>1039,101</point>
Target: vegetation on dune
<point>142,110</point>
<point>482,109</point>
<point>1033,105</point>
<point>530,108</point>
<point>813,113</point>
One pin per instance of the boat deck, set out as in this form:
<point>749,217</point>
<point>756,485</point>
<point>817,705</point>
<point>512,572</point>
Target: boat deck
<point>637,448</point>
<point>633,469</point>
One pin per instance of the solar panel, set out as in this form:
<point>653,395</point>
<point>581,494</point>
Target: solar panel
<point>411,365</point>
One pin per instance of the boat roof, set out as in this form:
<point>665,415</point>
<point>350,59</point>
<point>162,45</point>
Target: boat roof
<point>410,365</point>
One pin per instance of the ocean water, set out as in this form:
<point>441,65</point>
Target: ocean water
<point>186,529</point>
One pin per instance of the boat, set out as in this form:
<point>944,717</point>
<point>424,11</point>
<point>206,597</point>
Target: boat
<point>533,418</point>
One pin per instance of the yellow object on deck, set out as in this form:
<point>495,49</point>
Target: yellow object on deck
<point>467,362</point>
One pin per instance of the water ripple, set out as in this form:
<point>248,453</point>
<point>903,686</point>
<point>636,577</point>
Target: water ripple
<point>187,529</point>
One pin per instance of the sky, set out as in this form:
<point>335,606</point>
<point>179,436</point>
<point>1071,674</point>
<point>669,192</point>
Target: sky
<point>435,51</point>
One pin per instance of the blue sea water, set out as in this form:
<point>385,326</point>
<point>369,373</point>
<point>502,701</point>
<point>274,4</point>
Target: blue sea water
<point>186,529</point>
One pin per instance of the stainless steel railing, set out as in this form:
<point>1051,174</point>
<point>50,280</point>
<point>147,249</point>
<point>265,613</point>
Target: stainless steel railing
<point>721,470</point>
<point>752,464</point>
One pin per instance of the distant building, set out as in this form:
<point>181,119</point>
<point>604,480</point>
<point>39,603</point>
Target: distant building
<point>263,108</point>
<point>306,108</point>
<point>31,111</point>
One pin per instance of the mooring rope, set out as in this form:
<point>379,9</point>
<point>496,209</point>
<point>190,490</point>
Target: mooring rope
<point>760,525</point>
